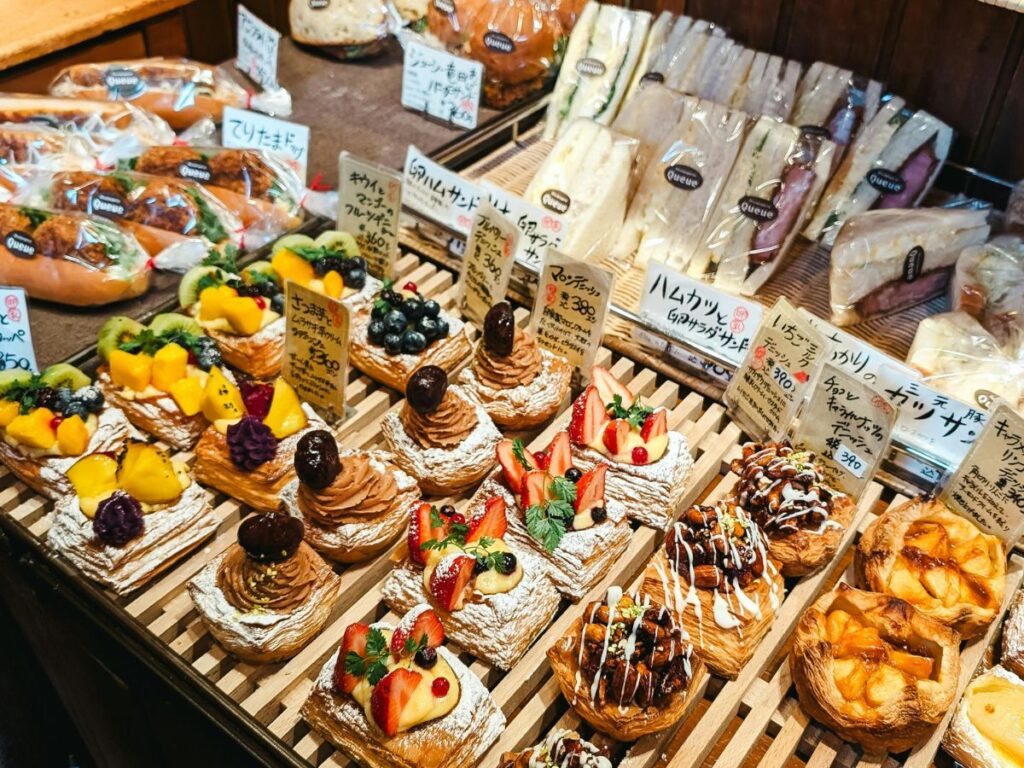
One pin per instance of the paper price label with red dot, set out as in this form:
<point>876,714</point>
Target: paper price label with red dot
<point>16,350</point>
<point>487,263</point>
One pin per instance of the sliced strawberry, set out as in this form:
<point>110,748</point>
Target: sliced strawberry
<point>422,531</point>
<point>511,466</point>
<point>423,628</point>
<point>590,489</point>
<point>490,522</point>
<point>542,459</point>
<point>353,641</point>
<point>609,387</point>
<point>448,581</point>
<point>390,696</point>
<point>615,435</point>
<point>655,424</point>
<point>535,489</point>
<point>588,417</point>
<point>560,455</point>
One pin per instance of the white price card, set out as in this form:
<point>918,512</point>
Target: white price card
<point>244,129</point>
<point>487,264</point>
<point>850,353</point>
<point>540,229</point>
<point>441,84</point>
<point>369,206</point>
<point>257,48</point>
<point>699,314</point>
<point>16,350</point>
<point>437,194</point>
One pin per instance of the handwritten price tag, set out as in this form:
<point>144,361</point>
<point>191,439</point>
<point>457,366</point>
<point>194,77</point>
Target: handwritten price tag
<point>540,229</point>
<point>316,348</point>
<point>437,194</point>
<point>572,302</point>
<point>257,48</point>
<point>369,206</point>
<point>16,350</point>
<point>245,129</point>
<point>487,265</point>
<point>441,84</point>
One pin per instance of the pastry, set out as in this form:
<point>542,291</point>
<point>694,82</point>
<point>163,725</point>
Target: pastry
<point>394,697</point>
<point>1013,636</point>
<point>248,451</point>
<point>48,420</point>
<point>128,518</point>
<point>647,464</point>
<point>439,435</point>
<point>626,666</point>
<point>268,595</point>
<point>784,491</point>
<point>492,599</point>
<point>560,748</point>
<point>160,375</point>
<point>715,574</point>
<point>354,503</point>
<point>519,384</point>
<point>874,669</point>
<point>400,332</point>
<point>937,561</point>
<point>558,512</point>
<point>243,309</point>
<point>987,730</point>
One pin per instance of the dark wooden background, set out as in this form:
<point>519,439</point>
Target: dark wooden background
<point>961,59</point>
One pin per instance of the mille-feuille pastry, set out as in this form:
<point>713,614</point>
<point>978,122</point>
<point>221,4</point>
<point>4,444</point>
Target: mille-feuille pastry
<point>354,503</point>
<point>130,517</point>
<point>48,420</point>
<point>558,512</point>
<point>626,666</point>
<point>265,597</point>
<point>439,435</point>
<point>249,451</point>
<point>395,697</point>
<point>492,599</point>
<point>987,730</point>
<point>874,669</point>
<point>937,561</point>
<point>401,331</point>
<point>519,384</point>
<point>647,464</point>
<point>159,375</point>
<point>784,490</point>
<point>560,748</point>
<point>715,574</point>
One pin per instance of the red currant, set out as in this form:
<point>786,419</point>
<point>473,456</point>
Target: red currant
<point>639,455</point>
<point>439,687</point>
<point>55,421</point>
<point>542,459</point>
<point>458,519</point>
<point>410,286</point>
<point>260,302</point>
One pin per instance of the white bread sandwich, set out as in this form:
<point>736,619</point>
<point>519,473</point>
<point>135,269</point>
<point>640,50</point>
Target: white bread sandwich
<point>657,39</point>
<point>649,117</point>
<point>683,57</point>
<point>769,87</point>
<point>835,103</point>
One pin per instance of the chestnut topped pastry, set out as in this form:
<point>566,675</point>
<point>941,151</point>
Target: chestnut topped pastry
<point>440,436</point>
<point>519,384</point>
<point>784,490</point>
<point>560,748</point>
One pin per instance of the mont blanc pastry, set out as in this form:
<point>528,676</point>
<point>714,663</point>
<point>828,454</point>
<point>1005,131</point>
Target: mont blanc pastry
<point>784,491</point>
<point>268,595</point>
<point>493,600</point>
<point>395,697</point>
<point>716,576</point>
<point>626,666</point>
<point>130,517</point>
<point>48,420</point>
<point>519,384</point>
<point>987,730</point>
<point>354,503</point>
<point>647,464</point>
<point>560,748</point>
<point>439,435</point>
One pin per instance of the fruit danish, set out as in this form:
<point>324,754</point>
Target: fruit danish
<point>937,561</point>
<point>268,595</point>
<point>130,517</point>
<point>1013,636</point>
<point>873,668</point>
<point>249,451</point>
<point>519,384</point>
<point>558,512</point>
<point>395,697</point>
<point>626,667</point>
<point>715,574</point>
<point>647,464</point>
<point>560,748</point>
<point>439,435</point>
<point>492,599</point>
<point>987,730</point>
<point>354,503</point>
<point>402,331</point>
<point>784,491</point>
<point>48,420</point>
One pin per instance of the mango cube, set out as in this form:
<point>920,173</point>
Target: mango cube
<point>244,314</point>
<point>34,429</point>
<point>221,398</point>
<point>188,394</point>
<point>285,416</point>
<point>131,371</point>
<point>291,266</point>
<point>72,436</point>
<point>170,364</point>
<point>94,477</point>
<point>334,284</point>
<point>148,474</point>
<point>9,410</point>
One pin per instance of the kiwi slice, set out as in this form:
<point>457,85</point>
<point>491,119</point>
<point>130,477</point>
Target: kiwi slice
<point>188,289</point>
<point>171,321</point>
<point>259,268</point>
<point>116,331</point>
<point>337,240</point>
<point>292,241</point>
<point>13,377</point>
<point>64,375</point>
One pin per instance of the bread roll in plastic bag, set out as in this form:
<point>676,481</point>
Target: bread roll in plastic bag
<point>988,284</point>
<point>346,29</point>
<point>448,20</point>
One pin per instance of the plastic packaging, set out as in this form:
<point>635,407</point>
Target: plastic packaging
<point>413,13</point>
<point>681,53</point>
<point>649,117</point>
<point>988,284</point>
<point>447,20</point>
<point>25,148</point>
<point>774,183</point>
<point>567,12</point>
<point>346,29</point>
<point>70,258</point>
<point>1015,209</point>
<point>884,261</point>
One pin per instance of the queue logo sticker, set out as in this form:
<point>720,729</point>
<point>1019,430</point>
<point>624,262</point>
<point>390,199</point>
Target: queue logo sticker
<point>555,200</point>
<point>885,181</point>
<point>684,177</point>
<point>122,82</point>
<point>589,67</point>
<point>318,5</point>
<point>196,170</point>
<point>106,203</point>
<point>758,209</point>
<point>653,77</point>
<point>912,264</point>
<point>817,131</point>
<point>20,244</point>
<point>499,41</point>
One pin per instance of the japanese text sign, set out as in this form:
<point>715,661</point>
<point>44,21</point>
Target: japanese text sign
<point>316,348</point>
<point>257,48</point>
<point>850,353</point>
<point>369,207</point>
<point>16,350</point>
<point>440,195</point>
<point>245,129</point>
<point>487,264</point>
<point>540,229</point>
<point>441,84</point>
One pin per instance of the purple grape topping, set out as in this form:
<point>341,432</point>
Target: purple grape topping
<point>251,443</point>
<point>118,519</point>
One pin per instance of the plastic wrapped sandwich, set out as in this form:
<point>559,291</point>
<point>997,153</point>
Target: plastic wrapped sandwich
<point>649,117</point>
<point>346,29</point>
<point>988,284</point>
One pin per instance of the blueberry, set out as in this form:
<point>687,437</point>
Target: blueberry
<point>64,395</point>
<point>321,267</point>
<point>447,510</point>
<point>573,475</point>
<point>395,321</point>
<point>90,397</point>
<point>428,327</point>
<point>413,342</point>
<point>380,310</point>
<point>442,328</point>
<point>391,297</point>
<point>431,308</point>
<point>426,657</point>
<point>413,309</point>
<point>506,563</point>
<point>208,358</point>
<point>357,262</point>
<point>76,408</point>
<point>46,397</point>
<point>392,343</point>
<point>376,332</point>
<point>356,279</point>
<point>598,514</point>
<point>277,303</point>
<point>480,565</point>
